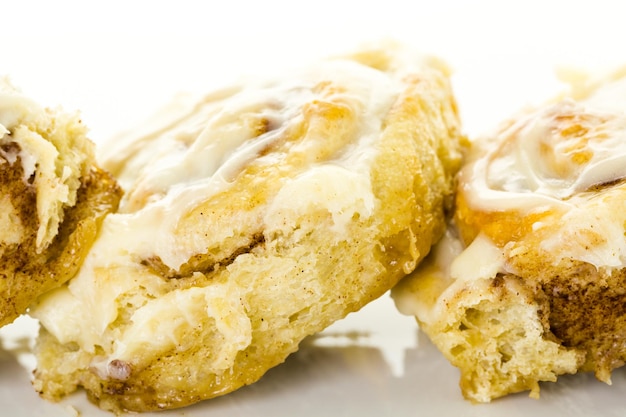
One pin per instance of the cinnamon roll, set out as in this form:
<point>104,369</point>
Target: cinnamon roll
<point>252,218</point>
<point>530,281</point>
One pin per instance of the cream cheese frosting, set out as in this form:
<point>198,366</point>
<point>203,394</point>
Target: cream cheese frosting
<point>539,156</point>
<point>547,157</point>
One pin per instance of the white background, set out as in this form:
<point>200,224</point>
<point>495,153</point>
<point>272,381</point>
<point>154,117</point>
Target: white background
<point>117,61</point>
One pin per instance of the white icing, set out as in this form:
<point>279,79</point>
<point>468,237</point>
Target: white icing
<point>482,259</point>
<point>342,192</point>
<point>178,179</point>
<point>536,165</point>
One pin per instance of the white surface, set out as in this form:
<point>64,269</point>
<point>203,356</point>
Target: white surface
<point>374,363</point>
<point>118,61</point>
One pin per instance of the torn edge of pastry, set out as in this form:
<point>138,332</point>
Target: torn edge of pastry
<point>253,218</point>
<point>52,196</point>
<point>529,282</point>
